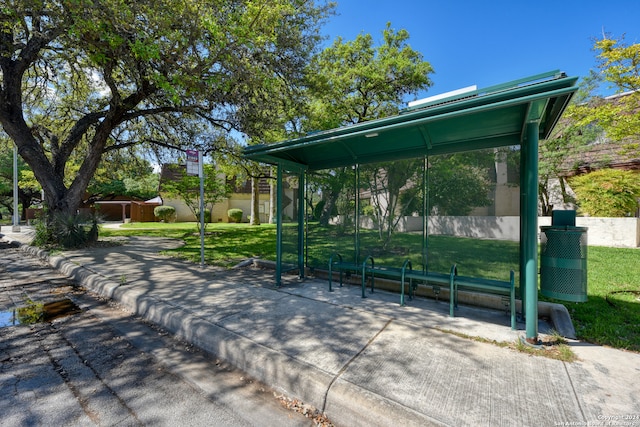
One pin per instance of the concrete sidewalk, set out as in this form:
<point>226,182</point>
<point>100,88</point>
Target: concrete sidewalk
<point>367,361</point>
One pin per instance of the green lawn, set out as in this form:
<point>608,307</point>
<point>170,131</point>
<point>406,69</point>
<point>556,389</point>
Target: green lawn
<point>611,316</point>
<point>225,244</point>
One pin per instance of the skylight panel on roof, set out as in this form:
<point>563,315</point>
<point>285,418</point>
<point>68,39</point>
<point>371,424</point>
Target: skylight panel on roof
<point>442,96</point>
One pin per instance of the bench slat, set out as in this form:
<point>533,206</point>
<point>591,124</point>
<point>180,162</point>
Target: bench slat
<point>439,278</point>
<point>482,283</point>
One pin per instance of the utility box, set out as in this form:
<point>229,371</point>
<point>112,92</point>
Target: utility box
<point>563,259</point>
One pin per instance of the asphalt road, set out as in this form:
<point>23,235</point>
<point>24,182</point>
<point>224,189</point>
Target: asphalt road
<point>98,365</point>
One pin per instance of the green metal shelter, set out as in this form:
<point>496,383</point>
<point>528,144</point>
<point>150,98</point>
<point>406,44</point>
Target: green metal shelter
<point>520,113</point>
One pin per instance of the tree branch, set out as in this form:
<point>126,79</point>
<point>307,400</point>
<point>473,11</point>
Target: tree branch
<point>150,141</point>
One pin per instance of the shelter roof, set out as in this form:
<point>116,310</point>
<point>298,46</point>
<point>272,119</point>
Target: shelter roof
<point>493,117</point>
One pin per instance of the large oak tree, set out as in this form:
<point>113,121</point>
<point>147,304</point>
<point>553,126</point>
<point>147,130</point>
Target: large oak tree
<point>79,78</point>
<point>355,81</point>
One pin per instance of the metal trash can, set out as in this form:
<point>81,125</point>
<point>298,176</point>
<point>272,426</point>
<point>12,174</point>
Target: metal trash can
<point>563,262</point>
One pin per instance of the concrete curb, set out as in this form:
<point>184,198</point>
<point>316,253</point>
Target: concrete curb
<point>561,319</point>
<point>341,401</point>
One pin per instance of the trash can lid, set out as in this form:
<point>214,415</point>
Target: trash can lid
<point>570,228</point>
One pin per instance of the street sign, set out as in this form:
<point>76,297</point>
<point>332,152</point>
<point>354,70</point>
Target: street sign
<point>192,162</point>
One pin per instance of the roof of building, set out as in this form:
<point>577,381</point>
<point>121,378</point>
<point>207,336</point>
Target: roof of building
<point>617,155</point>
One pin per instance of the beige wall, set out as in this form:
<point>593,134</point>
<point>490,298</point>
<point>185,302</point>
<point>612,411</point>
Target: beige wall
<point>220,209</point>
<point>183,213</point>
<point>243,202</point>
<point>614,232</point>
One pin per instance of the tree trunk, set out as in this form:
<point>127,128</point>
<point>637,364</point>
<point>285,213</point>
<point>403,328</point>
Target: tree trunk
<point>543,197</point>
<point>566,198</point>
<point>25,201</point>
<point>330,193</point>
<point>329,206</point>
<point>50,173</point>
<point>255,202</point>
<point>57,197</point>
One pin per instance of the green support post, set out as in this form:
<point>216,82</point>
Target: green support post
<point>279,226</point>
<point>425,214</point>
<point>357,215</point>
<point>529,239</point>
<point>301,222</point>
<point>523,227</point>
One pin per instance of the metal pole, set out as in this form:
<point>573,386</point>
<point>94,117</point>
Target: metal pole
<point>306,221</point>
<point>530,229</point>
<point>16,214</point>
<point>201,175</point>
<point>279,226</point>
<point>523,227</point>
<point>425,214</point>
<point>356,242</point>
<point>301,222</point>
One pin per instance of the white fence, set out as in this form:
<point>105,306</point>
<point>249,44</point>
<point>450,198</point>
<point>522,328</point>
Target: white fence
<point>615,232</point>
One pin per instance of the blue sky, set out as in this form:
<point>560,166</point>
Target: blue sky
<point>491,42</point>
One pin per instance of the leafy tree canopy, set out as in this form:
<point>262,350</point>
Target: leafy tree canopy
<point>457,183</point>
<point>619,68</point>
<point>122,174</point>
<point>355,81</point>
<point>591,119</point>
<point>569,138</point>
<point>85,77</point>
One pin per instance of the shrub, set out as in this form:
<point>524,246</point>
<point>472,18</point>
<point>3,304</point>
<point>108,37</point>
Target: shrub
<point>607,192</point>
<point>207,215</point>
<point>43,233</point>
<point>67,231</point>
<point>165,213</point>
<point>235,215</point>
<point>368,210</point>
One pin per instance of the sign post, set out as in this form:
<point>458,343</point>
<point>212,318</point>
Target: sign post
<point>195,167</point>
<point>16,214</point>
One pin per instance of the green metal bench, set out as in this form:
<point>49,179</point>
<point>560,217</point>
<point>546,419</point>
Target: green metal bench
<point>368,266</point>
<point>492,286</point>
<point>403,274</point>
<point>429,278</point>
<point>336,263</point>
<point>406,273</point>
